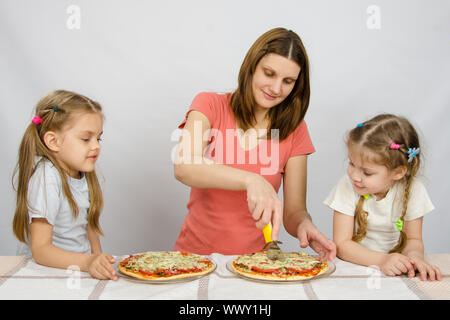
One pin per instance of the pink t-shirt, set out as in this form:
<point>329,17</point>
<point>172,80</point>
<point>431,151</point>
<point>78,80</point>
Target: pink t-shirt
<point>219,220</point>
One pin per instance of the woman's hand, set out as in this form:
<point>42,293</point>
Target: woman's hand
<point>99,266</point>
<point>395,264</point>
<point>263,203</point>
<point>309,235</point>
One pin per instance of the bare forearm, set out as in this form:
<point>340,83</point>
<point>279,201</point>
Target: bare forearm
<point>94,241</point>
<point>292,220</point>
<point>414,247</point>
<point>55,257</point>
<point>352,251</point>
<point>212,176</point>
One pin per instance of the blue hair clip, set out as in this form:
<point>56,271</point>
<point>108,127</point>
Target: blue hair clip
<point>55,108</point>
<point>412,152</point>
<point>359,125</point>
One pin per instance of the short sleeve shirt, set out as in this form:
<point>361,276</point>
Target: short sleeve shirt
<point>382,234</point>
<point>219,220</point>
<point>46,199</point>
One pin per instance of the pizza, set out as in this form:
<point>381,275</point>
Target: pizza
<point>288,267</point>
<point>165,265</point>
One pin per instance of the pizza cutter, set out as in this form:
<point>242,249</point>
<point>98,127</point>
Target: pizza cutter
<point>273,250</point>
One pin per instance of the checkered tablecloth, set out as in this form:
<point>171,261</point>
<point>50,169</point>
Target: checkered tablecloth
<point>22,278</point>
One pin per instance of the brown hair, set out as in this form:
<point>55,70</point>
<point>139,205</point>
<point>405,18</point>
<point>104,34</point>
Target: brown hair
<point>289,113</point>
<point>56,110</point>
<point>377,134</point>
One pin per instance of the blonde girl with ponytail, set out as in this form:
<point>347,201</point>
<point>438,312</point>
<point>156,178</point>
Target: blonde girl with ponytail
<point>59,199</point>
<point>379,205</point>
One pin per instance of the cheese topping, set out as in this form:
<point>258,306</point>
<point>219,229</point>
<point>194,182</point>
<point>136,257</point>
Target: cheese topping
<point>153,261</point>
<point>293,260</point>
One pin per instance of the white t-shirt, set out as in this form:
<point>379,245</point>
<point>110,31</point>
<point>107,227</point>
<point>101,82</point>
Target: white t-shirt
<point>46,199</point>
<point>382,235</point>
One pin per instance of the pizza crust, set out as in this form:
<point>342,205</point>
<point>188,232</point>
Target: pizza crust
<point>172,277</point>
<point>268,276</point>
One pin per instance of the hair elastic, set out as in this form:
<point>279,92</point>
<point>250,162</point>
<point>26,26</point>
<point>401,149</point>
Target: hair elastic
<point>55,108</point>
<point>399,224</point>
<point>394,146</point>
<point>36,120</point>
<point>359,125</point>
<point>412,152</point>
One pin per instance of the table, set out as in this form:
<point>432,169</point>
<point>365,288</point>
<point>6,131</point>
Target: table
<point>21,278</point>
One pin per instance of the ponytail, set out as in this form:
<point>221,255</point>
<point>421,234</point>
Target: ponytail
<point>25,168</point>
<point>30,147</point>
<point>96,202</point>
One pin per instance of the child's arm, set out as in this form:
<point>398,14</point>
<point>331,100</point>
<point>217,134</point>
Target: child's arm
<point>414,249</point>
<point>349,250</point>
<point>414,245</point>
<point>45,253</point>
<point>94,241</point>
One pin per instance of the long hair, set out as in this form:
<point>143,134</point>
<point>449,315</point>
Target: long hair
<point>32,145</point>
<point>377,134</point>
<point>290,112</point>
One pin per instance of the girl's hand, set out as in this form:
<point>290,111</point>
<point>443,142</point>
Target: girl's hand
<point>396,264</point>
<point>309,235</point>
<point>425,269</point>
<point>99,266</point>
<point>263,203</point>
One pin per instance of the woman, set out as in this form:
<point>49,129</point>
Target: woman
<point>236,147</point>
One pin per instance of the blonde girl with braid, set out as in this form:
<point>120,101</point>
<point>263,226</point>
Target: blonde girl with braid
<point>379,205</point>
<point>59,198</point>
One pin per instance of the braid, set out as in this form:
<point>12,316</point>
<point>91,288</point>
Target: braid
<point>412,171</point>
<point>406,193</point>
<point>361,219</point>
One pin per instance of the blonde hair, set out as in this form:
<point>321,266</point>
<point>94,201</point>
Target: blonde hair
<point>377,134</point>
<point>290,112</point>
<point>55,110</point>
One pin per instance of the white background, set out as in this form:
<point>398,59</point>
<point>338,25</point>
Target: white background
<point>144,61</point>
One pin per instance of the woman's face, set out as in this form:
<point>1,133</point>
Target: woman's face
<point>273,80</point>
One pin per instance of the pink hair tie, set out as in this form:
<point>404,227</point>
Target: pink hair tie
<point>36,120</point>
<point>394,146</point>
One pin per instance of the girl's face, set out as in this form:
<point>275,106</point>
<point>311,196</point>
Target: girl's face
<point>273,80</point>
<point>369,177</point>
<point>78,145</point>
